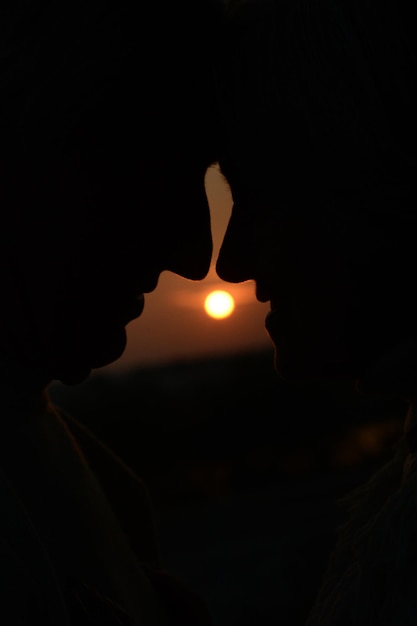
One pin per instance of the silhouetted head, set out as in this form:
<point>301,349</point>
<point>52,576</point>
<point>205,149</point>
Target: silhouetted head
<point>108,124</point>
<point>320,156</point>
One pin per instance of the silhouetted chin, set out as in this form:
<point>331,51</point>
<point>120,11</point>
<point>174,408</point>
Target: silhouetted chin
<point>75,378</point>
<point>295,371</point>
<point>305,359</point>
<point>78,367</point>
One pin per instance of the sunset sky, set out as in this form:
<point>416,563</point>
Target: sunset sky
<point>174,324</point>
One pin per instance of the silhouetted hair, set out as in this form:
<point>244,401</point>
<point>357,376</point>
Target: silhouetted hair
<point>62,59</point>
<point>322,79</point>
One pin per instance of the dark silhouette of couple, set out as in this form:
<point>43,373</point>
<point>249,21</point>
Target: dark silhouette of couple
<point>111,114</point>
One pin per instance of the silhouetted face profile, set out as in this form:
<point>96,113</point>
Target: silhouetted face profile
<point>115,221</point>
<point>105,181</point>
<point>324,214</point>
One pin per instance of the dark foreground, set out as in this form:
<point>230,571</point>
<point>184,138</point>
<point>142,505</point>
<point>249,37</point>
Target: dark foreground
<point>244,472</point>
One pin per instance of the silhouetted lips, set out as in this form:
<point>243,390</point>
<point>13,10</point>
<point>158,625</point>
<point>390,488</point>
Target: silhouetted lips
<point>276,322</point>
<point>150,284</point>
<point>262,294</point>
<point>139,303</point>
<point>135,307</point>
<point>272,323</point>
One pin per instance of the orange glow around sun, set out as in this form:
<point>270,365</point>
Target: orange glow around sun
<point>219,304</point>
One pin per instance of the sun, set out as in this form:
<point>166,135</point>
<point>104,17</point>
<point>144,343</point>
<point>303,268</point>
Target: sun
<point>219,304</point>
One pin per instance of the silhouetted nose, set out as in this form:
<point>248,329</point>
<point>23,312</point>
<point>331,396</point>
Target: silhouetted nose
<point>189,246</point>
<point>235,263</point>
<point>191,257</point>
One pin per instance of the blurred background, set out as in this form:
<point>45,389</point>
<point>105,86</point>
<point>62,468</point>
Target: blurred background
<point>244,471</point>
<point>174,324</point>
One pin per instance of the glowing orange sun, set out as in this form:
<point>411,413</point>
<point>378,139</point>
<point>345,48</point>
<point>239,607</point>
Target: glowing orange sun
<point>219,304</point>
